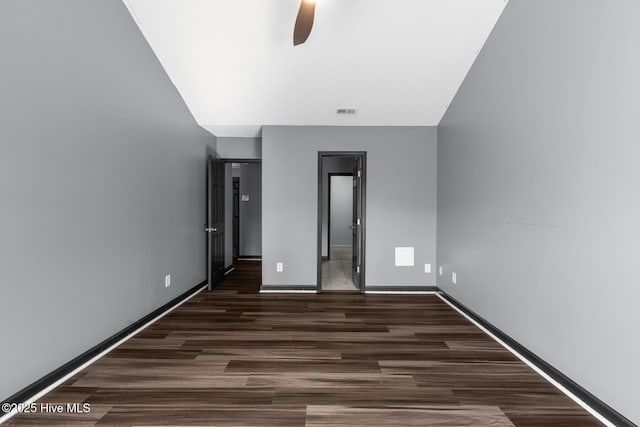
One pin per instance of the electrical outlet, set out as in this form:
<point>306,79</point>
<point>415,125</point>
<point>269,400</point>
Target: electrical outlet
<point>167,280</point>
<point>440,270</point>
<point>427,268</point>
<point>454,278</point>
<point>279,267</point>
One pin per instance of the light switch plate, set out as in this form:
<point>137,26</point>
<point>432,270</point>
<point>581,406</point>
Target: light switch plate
<point>167,280</point>
<point>279,267</point>
<point>245,197</point>
<point>427,268</point>
<point>440,270</point>
<point>454,278</point>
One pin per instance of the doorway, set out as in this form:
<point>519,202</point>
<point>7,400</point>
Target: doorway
<point>246,214</point>
<point>234,214</point>
<point>341,221</point>
<point>336,269</point>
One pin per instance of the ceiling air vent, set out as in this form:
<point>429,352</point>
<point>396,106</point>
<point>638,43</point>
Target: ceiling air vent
<point>346,111</point>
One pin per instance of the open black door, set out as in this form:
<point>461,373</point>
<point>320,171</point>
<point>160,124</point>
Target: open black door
<point>215,221</point>
<point>356,226</point>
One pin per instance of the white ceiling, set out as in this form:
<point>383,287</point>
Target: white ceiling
<point>399,62</point>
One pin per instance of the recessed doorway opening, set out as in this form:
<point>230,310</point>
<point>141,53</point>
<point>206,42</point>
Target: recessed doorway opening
<point>341,221</point>
<point>246,210</point>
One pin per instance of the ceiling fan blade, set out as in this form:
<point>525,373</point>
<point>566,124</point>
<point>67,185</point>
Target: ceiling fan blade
<point>304,21</point>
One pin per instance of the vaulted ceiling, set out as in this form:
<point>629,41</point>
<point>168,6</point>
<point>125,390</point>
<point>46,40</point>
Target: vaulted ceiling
<point>398,62</point>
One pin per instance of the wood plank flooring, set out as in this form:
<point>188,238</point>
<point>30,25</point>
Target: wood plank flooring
<point>234,357</point>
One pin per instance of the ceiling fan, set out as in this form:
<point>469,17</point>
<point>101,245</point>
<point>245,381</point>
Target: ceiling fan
<point>304,21</point>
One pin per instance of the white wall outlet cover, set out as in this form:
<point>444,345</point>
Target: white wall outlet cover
<point>279,267</point>
<point>245,197</point>
<point>404,257</point>
<point>454,278</point>
<point>427,268</point>
<point>440,270</point>
<point>167,280</point>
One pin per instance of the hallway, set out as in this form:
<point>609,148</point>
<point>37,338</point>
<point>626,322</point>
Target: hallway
<point>237,357</point>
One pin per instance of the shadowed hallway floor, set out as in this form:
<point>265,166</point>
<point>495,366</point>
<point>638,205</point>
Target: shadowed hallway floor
<point>234,357</point>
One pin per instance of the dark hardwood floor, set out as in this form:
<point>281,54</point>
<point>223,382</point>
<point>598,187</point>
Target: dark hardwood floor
<point>234,357</point>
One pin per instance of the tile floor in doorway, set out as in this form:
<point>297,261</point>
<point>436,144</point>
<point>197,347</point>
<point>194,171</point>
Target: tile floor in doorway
<point>336,272</point>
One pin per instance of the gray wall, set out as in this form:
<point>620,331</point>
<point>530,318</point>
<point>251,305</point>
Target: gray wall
<point>341,210</point>
<point>251,212</point>
<point>102,183</point>
<point>401,200</point>
<point>240,148</point>
<point>538,189</point>
<point>331,165</point>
